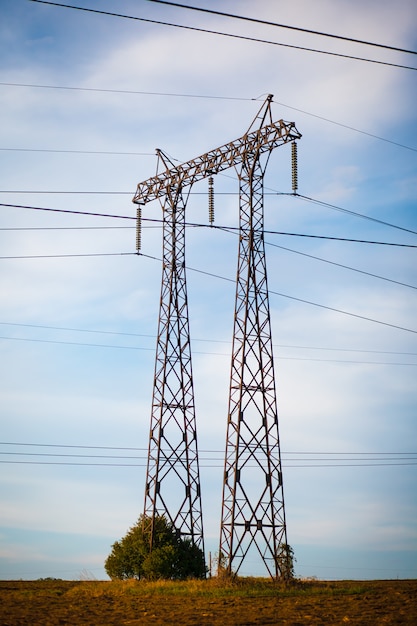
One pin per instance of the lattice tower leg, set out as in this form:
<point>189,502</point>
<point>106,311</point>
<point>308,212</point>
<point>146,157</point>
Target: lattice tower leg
<point>253,514</point>
<point>173,479</point>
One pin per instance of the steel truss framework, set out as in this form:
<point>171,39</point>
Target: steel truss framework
<point>253,513</point>
<point>253,504</point>
<point>173,481</point>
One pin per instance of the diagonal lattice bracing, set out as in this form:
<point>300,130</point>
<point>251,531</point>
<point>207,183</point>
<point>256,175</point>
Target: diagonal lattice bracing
<point>253,515</point>
<point>173,481</point>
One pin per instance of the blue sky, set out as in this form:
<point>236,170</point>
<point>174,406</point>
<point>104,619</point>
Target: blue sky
<point>78,333</point>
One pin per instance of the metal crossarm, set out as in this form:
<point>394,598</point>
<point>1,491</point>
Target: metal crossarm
<point>230,155</point>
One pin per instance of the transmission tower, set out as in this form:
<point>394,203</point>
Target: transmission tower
<point>253,514</point>
<point>172,482</point>
<point>172,478</point>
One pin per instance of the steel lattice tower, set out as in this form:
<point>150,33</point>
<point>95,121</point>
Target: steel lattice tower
<point>253,513</point>
<point>172,479</point>
<point>253,505</point>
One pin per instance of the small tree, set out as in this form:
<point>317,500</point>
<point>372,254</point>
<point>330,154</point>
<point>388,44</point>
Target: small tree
<point>171,557</point>
<point>285,561</point>
<point>222,566</point>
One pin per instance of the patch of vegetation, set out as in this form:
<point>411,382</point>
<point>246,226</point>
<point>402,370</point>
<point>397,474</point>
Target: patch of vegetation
<point>243,587</point>
<point>152,550</point>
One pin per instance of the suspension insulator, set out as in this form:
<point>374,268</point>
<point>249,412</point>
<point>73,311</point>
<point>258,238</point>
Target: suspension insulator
<point>294,167</point>
<point>211,199</point>
<point>138,228</point>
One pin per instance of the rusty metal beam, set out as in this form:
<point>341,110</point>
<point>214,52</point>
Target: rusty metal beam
<point>230,155</point>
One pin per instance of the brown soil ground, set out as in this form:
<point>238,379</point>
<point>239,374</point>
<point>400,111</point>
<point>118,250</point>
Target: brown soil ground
<point>207,603</point>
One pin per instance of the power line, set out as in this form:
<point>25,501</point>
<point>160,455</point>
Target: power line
<point>314,459</point>
<point>346,267</point>
<point>277,358</point>
<point>75,464</point>
<point>52,210</point>
<point>65,256</point>
<point>310,256</point>
<point>316,304</point>
<point>58,192</point>
<point>78,330</point>
<point>295,28</point>
<point>126,193</point>
<point>356,130</point>
<point>125,334</point>
<point>302,197</point>
<point>31,228</point>
<point>89,456</point>
<point>131,92</point>
<point>218,457</point>
<point>76,343</point>
<point>207,273</point>
<point>202,464</point>
<point>347,239</point>
<point>356,315</point>
<point>327,237</point>
<point>307,198</point>
<point>181,95</point>
<point>63,445</point>
<point>225,228</point>
<point>349,212</point>
<point>302,452</point>
<point>215,32</point>
<point>270,192</point>
<point>77,151</point>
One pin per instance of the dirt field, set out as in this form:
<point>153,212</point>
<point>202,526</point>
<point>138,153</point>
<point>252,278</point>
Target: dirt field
<point>207,603</point>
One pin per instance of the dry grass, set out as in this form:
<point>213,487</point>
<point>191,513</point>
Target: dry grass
<point>215,602</point>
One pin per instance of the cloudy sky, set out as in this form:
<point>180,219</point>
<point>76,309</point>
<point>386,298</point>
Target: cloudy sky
<point>85,100</point>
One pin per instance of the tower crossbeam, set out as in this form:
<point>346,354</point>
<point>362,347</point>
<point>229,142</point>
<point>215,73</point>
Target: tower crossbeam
<point>230,155</point>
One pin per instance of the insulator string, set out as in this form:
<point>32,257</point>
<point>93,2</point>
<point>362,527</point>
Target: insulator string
<point>294,167</point>
<point>138,228</point>
<point>211,199</point>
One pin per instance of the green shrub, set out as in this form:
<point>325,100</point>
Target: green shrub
<point>167,556</point>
